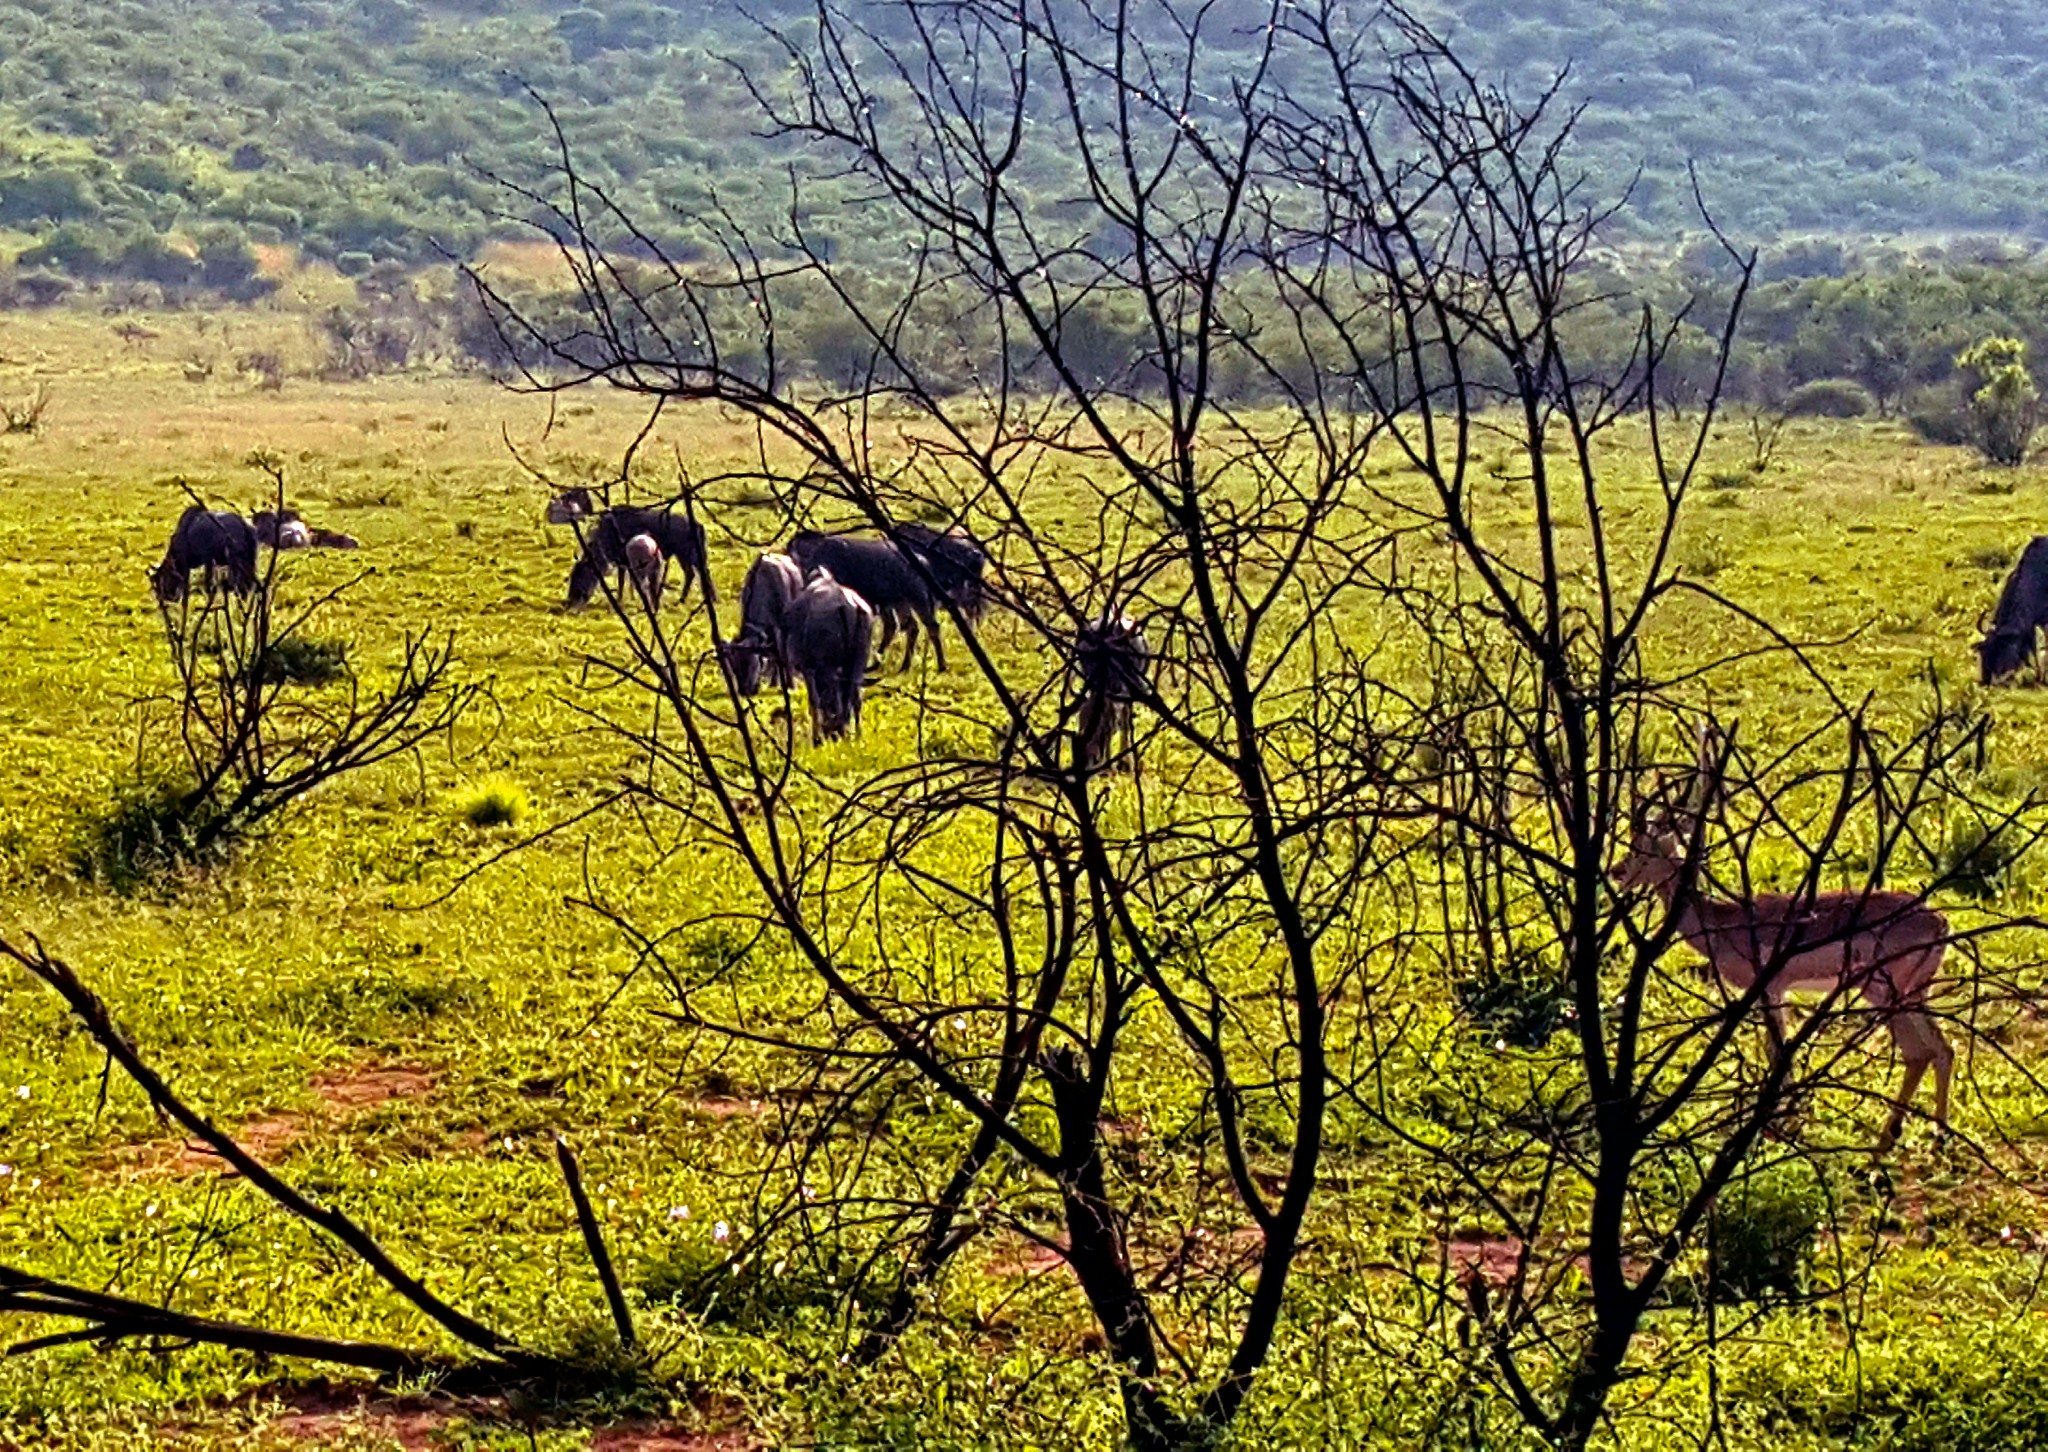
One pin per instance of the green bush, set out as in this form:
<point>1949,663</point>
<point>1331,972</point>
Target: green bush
<point>2006,405</point>
<point>149,825</point>
<point>1939,416</point>
<point>1975,859</point>
<point>1521,1004</point>
<point>1761,1234</point>
<point>306,662</point>
<point>1830,398</point>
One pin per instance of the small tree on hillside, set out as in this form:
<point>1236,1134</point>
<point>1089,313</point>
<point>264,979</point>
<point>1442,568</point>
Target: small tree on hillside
<point>2006,406</point>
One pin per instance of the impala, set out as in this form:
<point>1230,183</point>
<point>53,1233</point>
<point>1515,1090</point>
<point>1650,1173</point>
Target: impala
<point>1886,945</point>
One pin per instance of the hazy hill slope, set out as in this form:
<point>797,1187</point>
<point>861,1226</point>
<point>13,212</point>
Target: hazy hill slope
<point>351,126</point>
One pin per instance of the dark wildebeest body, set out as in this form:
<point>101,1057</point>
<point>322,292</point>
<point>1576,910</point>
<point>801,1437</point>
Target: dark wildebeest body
<point>953,559</point>
<point>830,630</point>
<point>2022,611</point>
<point>773,582</point>
<point>604,547</point>
<point>881,575</point>
<point>215,540</point>
<point>1113,661</point>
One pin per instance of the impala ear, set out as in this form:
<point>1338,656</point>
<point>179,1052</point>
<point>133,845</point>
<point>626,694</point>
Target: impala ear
<point>1710,770</point>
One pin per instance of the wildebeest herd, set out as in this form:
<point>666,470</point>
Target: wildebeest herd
<point>808,614</point>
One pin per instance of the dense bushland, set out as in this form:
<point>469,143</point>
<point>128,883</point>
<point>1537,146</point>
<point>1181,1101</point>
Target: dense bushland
<point>162,143</point>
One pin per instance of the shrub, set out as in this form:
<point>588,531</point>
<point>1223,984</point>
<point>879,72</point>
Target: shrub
<point>301,660</point>
<point>1830,398</point>
<point>1760,1239</point>
<point>1937,415</point>
<point>2006,406</point>
<point>1520,1005</point>
<point>494,802</point>
<point>149,826</point>
<point>1974,859</point>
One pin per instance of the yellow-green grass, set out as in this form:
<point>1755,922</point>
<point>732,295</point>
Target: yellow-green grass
<point>334,949</point>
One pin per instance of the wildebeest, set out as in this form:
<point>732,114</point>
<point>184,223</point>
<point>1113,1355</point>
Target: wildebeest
<point>288,530</point>
<point>880,573</point>
<point>215,540</point>
<point>772,585</point>
<point>830,629</point>
<point>570,505</point>
<point>604,548</point>
<point>648,570</point>
<point>953,559</point>
<point>1112,661</point>
<point>2022,611</point>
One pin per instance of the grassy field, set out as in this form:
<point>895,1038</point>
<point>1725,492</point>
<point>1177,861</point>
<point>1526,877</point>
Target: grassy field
<point>408,1052</point>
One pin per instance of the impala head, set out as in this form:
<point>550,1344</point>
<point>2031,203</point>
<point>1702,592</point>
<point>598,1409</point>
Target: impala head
<point>1656,852</point>
<point>1666,827</point>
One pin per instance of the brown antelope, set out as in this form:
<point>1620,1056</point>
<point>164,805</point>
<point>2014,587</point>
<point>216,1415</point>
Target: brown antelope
<point>1887,946</point>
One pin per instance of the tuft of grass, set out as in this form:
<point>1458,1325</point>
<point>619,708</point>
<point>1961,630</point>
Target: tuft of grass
<point>493,802</point>
<point>1990,557</point>
<point>1975,859</point>
<point>148,826</point>
<point>304,661</point>
<point>1760,1241</point>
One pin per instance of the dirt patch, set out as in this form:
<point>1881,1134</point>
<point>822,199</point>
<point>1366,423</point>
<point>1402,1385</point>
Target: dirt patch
<point>338,1414</point>
<point>345,1095</point>
<point>722,1107</point>
<point>357,1091</point>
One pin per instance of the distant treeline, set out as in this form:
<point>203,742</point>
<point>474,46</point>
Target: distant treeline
<point>1826,329</point>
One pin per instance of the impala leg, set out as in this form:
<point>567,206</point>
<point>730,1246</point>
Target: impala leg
<point>1921,1044</point>
<point>1774,1018</point>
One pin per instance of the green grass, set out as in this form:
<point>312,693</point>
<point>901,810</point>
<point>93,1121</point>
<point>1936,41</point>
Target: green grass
<point>375,931</point>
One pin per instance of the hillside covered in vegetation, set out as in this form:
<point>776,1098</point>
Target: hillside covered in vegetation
<point>160,141</point>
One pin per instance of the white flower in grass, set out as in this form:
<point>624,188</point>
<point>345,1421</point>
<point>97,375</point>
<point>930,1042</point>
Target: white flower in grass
<point>721,1232</point>
<point>679,1212</point>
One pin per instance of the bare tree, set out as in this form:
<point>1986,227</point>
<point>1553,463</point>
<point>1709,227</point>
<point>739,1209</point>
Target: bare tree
<point>1240,388</point>
<point>1454,210</point>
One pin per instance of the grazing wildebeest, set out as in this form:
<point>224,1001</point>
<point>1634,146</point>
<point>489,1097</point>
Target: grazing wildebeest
<point>2022,611</point>
<point>215,540</point>
<point>1112,660</point>
<point>271,526</point>
<point>648,569</point>
<point>288,530</point>
<point>772,585</point>
<point>880,574</point>
<point>570,505</point>
<point>830,629</point>
<point>604,548</point>
<point>953,559</point>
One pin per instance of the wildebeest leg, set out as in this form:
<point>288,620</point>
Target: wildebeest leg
<point>888,633</point>
<point>910,619</point>
<point>931,625</point>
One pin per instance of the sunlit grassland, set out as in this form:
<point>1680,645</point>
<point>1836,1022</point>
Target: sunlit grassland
<point>335,949</point>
